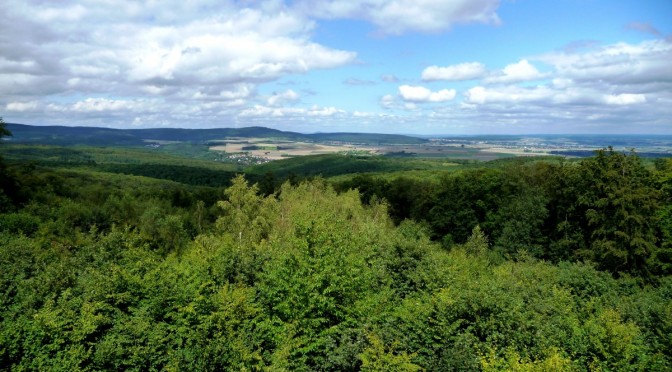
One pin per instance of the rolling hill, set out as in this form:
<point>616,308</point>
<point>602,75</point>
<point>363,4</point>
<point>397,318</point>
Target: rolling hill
<point>64,135</point>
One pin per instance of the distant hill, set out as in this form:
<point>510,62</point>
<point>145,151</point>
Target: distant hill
<point>62,135</point>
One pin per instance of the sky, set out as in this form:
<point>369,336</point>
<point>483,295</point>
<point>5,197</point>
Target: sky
<point>386,66</point>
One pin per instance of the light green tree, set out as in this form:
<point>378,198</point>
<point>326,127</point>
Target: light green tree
<point>247,215</point>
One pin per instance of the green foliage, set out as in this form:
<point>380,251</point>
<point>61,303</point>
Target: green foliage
<point>329,165</point>
<point>512,361</point>
<point>606,209</point>
<point>378,358</point>
<point>620,207</point>
<point>477,244</point>
<point>3,129</point>
<point>7,183</point>
<point>247,216</point>
<point>162,164</point>
<point>137,137</point>
<point>662,258</point>
<point>519,221</point>
<point>19,223</point>
<point>103,271</point>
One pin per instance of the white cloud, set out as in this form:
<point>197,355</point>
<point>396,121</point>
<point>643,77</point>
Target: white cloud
<point>102,104</point>
<point>122,63</point>
<point>462,71</point>
<point>226,51</point>
<point>204,50</point>
<point>71,13</point>
<point>625,99</point>
<point>324,111</point>
<point>546,96</point>
<point>22,106</point>
<point>422,94</point>
<point>621,63</point>
<point>230,92</point>
<point>282,98</point>
<point>259,110</point>
<point>387,101</point>
<point>315,111</point>
<point>363,114</point>
<point>511,94</point>
<point>516,72</point>
<point>400,16</point>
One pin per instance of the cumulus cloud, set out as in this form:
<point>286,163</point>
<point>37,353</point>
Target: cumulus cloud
<point>510,94</point>
<point>516,72</point>
<point>421,94</point>
<point>265,111</point>
<point>387,101</point>
<point>216,51</point>
<point>399,16</point>
<point>102,104</point>
<point>631,76</point>
<point>625,99</point>
<point>168,63</point>
<point>194,54</point>
<point>281,98</point>
<point>462,71</point>
<point>621,63</point>
<point>548,96</point>
<point>22,106</point>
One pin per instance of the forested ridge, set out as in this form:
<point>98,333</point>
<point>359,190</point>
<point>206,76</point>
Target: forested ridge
<point>516,265</point>
<point>68,135</point>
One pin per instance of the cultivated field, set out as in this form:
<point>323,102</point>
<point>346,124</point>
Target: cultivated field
<point>273,149</point>
<point>276,149</point>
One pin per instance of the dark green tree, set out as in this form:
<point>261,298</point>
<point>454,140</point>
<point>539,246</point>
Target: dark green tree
<point>620,204</point>
<point>663,180</point>
<point>3,129</point>
<point>463,201</point>
<point>520,219</point>
<point>7,182</point>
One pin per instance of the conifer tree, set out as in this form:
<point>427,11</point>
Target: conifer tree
<point>620,205</point>
<point>4,132</point>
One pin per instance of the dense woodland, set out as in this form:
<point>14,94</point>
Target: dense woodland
<point>515,264</point>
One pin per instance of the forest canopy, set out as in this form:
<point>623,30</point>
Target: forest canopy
<point>514,265</point>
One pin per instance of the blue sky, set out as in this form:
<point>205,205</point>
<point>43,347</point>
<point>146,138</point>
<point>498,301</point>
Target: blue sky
<point>390,66</point>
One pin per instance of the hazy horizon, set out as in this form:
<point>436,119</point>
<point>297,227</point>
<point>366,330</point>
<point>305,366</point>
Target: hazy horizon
<point>436,135</point>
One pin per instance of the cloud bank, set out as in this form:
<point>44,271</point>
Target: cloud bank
<point>150,57</point>
<point>395,17</point>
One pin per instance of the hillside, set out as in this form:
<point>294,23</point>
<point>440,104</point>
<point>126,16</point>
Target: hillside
<point>63,135</point>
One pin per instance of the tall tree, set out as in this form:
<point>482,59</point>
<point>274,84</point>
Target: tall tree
<point>8,186</point>
<point>663,180</point>
<point>619,203</point>
<point>3,129</point>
